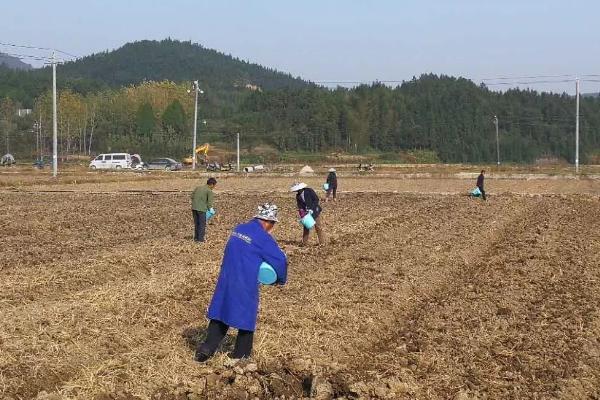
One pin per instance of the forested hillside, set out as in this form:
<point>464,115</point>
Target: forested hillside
<point>135,99</point>
<point>453,117</point>
<point>146,60</point>
<point>176,61</point>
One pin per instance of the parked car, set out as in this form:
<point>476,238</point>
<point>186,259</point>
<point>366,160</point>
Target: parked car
<point>137,163</point>
<point>111,160</point>
<point>166,164</point>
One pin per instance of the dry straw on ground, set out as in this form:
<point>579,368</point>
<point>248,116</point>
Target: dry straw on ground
<point>102,296</point>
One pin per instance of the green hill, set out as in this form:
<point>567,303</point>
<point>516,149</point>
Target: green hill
<point>176,61</point>
<point>146,60</point>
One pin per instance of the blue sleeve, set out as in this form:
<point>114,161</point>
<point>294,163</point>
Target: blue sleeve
<point>274,256</point>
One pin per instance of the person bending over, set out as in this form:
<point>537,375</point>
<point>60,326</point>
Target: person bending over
<point>236,297</point>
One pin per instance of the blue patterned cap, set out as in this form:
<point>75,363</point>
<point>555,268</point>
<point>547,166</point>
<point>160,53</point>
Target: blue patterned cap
<point>267,212</point>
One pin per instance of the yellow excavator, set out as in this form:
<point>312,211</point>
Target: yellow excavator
<point>199,151</point>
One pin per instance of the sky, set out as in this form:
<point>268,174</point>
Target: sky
<point>336,40</point>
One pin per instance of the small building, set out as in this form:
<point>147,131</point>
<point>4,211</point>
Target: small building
<point>253,88</point>
<point>21,112</point>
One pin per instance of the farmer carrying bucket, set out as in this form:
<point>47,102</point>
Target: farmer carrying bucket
<point>251,256</point>
<point>309,211</point>
<point>331,185</point>
<point>480,180</point>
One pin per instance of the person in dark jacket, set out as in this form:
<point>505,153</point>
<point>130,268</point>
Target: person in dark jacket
<point>307,201</point>
<point>236,297</point>
<point>202,201</point>
<point>480,179</point>
<point>332,182</point>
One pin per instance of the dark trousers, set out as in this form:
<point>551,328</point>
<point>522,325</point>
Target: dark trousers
<point>215,334</point>
<point>482,192</point>
<point>332,191</point>
<point>199,225</point>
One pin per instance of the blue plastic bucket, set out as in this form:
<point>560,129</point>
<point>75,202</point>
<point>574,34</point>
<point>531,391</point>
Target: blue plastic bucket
<point>266,274</point>
<point>308,221</point>
<point>476,192</point>
<point>326,186</point>
<point>210,213</point>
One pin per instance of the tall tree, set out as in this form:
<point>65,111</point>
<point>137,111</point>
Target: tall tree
<point>145,120</point>
<point>174,119</point>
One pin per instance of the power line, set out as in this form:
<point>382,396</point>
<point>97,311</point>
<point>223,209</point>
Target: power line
<point>48,60</point>
<point>39,48</point>
<point>528,82</point>
<point>359,82</point>
<point>500,78</point>
<point>67,54</point>
<point>25,47</point>
<point>525,77</point>
<point>38,58</point>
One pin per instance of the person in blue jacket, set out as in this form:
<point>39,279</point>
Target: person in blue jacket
<point>235,300</point>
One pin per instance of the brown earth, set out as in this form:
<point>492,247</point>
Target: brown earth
<point>73,176</point>
<point>419,294</point>
<point>387,179</point>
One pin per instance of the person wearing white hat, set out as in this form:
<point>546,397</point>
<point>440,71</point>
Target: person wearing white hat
<point>236,297</point>
<point>307,201</point>
<point>331,185</point>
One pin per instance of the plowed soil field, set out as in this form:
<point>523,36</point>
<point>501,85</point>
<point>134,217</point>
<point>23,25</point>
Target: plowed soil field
<point>416,296</point>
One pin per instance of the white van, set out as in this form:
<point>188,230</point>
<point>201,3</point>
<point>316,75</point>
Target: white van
<point>112,160</point>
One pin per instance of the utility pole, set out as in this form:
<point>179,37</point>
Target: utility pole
<point>577,125</point>
<point>196,91</point>
<point>195,125</point>
<point>497,140</point>
<point>238,152</point>
<point>41,148</point>
<point>54,120</point>
<point>37,140</point>
<point>41,153</point>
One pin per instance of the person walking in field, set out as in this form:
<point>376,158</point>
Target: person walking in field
<point>307,201</point>
<point>480,179</point>
<point>332,185</point>
<point>236,297</point>
<point>202,201</point>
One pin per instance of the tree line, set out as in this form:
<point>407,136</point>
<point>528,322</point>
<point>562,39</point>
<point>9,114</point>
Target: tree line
<point>451,117</point>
